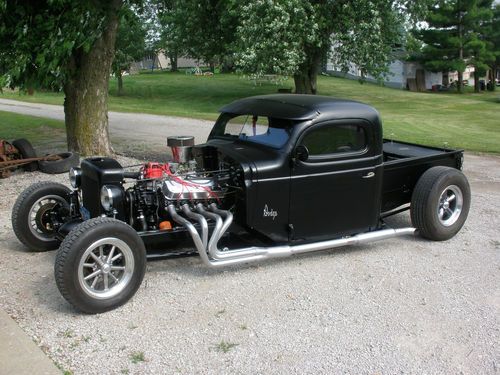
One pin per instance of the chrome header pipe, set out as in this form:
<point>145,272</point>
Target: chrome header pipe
<point>219,258</point>
<point>216,234</point>
<point>227,214</point>
<point>192,231</point>
<point>201,220</point>
<point>213,250</point>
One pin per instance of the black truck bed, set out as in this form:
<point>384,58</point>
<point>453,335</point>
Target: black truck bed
<point>404,163</point>
<point>399,150</point>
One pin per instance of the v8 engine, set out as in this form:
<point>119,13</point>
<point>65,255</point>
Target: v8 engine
<point>144,204</point>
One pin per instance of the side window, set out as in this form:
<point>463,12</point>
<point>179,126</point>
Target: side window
<point>335,139</point>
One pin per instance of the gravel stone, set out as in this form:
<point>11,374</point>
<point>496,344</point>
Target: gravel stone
<point>404,305</point>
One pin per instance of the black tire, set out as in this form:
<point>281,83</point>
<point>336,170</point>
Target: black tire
<point>440,203</point>
<point>36,233</point>
<point>27,151</point>
<point>67,161</point>
<point>73,260</point>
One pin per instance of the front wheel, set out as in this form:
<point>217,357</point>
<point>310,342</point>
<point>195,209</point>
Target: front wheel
<point>440,203</point>
<point>37,211</point>
<point>100,265</point>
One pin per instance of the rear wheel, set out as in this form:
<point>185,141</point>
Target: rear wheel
<point>34,213</point>
<point>440,203</point>
<point>100,265</point>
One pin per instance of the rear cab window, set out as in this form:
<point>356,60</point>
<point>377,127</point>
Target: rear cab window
<point>269,131</point>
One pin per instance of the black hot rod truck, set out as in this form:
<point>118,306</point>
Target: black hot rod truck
<point>279,175</point>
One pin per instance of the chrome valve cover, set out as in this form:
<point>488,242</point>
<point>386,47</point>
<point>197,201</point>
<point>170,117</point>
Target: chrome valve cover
<point>189,188</point>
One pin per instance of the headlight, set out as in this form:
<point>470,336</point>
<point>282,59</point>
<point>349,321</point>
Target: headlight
<point>108,195</point>
<point>75,177</point>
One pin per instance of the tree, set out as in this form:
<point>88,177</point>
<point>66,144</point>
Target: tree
<point>451,38</point>
<point>478,47</point>
<point>170,38</point>
<point>492,37</point>
<point>67,44</point>
<point>281,37</point>
<point>480,56</point>
<point>288,37</point>
<point>130,44</point>
<point>201,30</point>
<point>293,37</point>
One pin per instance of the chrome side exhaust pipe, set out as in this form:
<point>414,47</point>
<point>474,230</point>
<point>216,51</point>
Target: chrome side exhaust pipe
<point>212,256</point>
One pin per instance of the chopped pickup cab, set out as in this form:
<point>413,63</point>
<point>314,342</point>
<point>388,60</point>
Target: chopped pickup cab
<point>279,175</point>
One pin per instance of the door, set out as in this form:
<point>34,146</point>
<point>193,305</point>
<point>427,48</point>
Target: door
<point>336,187</point>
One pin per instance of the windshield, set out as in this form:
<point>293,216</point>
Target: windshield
<point>264,130</point>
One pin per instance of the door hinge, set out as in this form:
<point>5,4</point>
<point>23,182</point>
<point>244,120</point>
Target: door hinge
<point>291,232</point>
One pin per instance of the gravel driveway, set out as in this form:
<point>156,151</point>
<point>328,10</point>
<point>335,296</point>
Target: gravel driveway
<point>404,305</point>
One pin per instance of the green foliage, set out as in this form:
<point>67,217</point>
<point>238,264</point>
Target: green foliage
<point>287,37</point>
<point>491,36</point>
<point>272,36</point>
<point>453,36</point>
<point>201,30</point>
<point>130,43</point>
<point>368,32</point>
<point>170,36</point>
<point>494,34</point>
<point>148,12</point>
<point>284,35</point>
<point>38,39</point>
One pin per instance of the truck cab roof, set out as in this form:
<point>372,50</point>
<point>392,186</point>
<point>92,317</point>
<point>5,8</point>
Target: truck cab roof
<point>301,107</point>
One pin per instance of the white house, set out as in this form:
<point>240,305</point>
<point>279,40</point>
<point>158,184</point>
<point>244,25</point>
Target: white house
<point>402,75</point>
<point>406,75</point>
<point>160,61</point>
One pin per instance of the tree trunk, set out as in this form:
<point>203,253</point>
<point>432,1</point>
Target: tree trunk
<point>173,62</point>
<point>493,80</point>
<point>306,78</point>
<point>119,78</point>
<point>460,81</point>
<point>306,82</point>
<point>86,92</point>
<point>476,81</point>
<point>460,54</point>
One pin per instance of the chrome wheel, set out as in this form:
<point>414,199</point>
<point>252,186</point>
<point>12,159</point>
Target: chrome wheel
<point>106,268</point>
<point>39,221</point>
<point>450,205</point>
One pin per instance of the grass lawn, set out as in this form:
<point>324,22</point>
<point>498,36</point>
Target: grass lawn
<point>470,121</point>
<point>13,126</point>
<point>46,135</point>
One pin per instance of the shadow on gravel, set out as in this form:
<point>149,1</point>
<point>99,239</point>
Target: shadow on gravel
<point>13,244</point>
<point>193,266</point>
<point>45,290</point>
